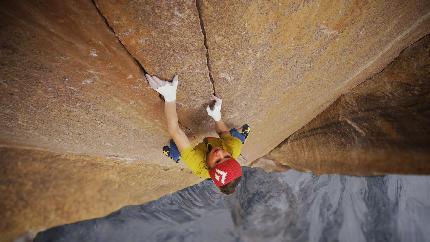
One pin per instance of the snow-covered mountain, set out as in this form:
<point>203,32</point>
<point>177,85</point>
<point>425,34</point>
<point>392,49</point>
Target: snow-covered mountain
<point>288,206</point>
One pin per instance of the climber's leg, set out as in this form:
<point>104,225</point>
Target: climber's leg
<point>246,130</point>
<point>241,135</point>
<point>172,151</point>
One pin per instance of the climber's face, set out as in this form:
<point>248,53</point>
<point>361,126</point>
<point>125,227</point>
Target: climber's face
<point>217,155</point>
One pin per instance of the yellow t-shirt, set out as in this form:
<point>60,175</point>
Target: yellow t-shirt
<point>195,157</point>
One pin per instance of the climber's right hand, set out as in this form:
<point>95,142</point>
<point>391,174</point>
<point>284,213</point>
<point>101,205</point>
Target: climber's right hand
<point>215,112</point>
<point>165,88</point>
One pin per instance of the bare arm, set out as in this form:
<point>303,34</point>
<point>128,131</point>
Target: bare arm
<point>221,128</point>
<point>173,128</point>
<point>168,90</point>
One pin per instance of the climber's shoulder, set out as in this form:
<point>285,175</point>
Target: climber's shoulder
<point>194,157</point>
<point>231,144</point>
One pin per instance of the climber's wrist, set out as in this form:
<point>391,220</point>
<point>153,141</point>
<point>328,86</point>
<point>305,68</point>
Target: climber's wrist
<point>170,98</point>
<point>169,93</point>
<point>217,117</point>
<point>221,127</point>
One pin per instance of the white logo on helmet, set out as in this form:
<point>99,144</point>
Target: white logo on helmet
<point>221,173</point>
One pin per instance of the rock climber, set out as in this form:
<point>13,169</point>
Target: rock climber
<point>213,158</point>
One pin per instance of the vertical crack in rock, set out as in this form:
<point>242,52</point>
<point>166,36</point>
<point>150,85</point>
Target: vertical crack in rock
<point>142,69</point>
<point>205,41</point>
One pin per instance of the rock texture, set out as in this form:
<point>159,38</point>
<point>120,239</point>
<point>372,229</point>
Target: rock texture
<point>166,38</point>
<point>277,64</point>
<point>71,82</point>
<point>381,126</point>
<point>290,206</point>
<point>43,189</point>
<point>68,85</point>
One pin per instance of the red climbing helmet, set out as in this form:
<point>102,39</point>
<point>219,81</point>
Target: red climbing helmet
<point>225,172</point>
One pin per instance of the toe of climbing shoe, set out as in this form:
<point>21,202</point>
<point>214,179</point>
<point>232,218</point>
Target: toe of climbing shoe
<point>166,151</point>
<point>246,130</point>
<point>172,154</point>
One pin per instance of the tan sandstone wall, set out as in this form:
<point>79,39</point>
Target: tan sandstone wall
<point>381,126</point>
<point>166,38</point>
<point>41,189</point>
<point>71,83</point>
<point>68,85</point>
<point>278,64</point>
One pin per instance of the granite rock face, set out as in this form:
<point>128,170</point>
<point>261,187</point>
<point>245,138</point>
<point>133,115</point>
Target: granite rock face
<point>166,38</point>
<point>71,82</point>
<point>43,189</point>
<point>68,85</point>
<point>278,64</point>
<point>381,126</point>
<point>289,206</point>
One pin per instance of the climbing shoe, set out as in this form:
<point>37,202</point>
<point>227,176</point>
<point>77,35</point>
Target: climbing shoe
<point>246,130</point>
<point>241,135</point>
<point>172,151</point>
